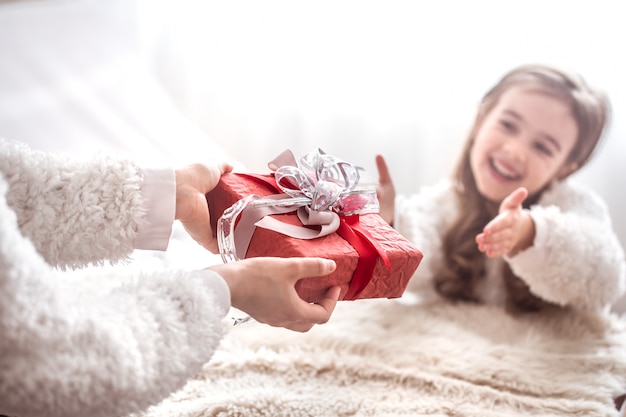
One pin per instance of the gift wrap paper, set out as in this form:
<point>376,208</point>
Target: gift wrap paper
<point>386,282</point>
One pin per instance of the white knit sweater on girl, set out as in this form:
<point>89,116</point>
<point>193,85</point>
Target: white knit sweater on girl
<point>575,260</point>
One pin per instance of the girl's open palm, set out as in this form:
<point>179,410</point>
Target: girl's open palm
<point>511,231</point>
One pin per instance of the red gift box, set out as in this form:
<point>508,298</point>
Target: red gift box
<point>382,281</point>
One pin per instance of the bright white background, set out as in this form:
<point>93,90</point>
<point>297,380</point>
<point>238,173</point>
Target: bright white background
<point>356,78</point>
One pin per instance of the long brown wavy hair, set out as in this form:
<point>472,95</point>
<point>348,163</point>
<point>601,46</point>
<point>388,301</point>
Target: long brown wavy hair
<point>464,264</point>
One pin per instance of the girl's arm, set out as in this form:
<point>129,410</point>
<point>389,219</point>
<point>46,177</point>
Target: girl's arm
<point>575,258</point>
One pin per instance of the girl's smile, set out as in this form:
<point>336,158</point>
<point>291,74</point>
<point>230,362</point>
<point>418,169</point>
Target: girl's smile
<point>504,171</point>
<point>524,141</point>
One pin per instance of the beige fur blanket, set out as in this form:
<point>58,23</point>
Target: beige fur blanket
<point>386,358</point>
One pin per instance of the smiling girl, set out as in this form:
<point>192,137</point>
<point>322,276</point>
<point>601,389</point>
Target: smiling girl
<point>511,227</point>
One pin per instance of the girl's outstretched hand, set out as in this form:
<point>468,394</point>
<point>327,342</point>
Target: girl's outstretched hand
<point>511,231</point>
<point>385,191</point>
<point>264,288</point>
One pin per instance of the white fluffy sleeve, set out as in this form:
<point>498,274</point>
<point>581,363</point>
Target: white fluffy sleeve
<point>576,258</point>
<point>75,212</point>
<point>64,352</point>
<point>67,355</point>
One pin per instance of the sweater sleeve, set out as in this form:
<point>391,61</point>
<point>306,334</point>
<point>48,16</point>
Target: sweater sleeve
<point>576,258</point>
<point>67,353</point>
<point>75,212</point>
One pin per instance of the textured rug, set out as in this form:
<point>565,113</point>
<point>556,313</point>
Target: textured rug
<point>386,358</point>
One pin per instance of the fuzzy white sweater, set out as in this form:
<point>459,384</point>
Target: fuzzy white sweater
<point>65,354</point>
<point>575,260</point>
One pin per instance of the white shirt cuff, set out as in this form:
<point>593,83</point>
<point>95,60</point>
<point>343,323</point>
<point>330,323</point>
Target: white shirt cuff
<point>159,194</point>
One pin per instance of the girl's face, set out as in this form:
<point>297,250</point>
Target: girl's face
<point>524,141</point>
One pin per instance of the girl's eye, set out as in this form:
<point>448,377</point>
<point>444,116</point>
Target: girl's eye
<point>509,126</point>
<point>543,148</point>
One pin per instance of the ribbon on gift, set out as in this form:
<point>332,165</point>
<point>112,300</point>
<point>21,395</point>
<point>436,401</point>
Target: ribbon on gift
<point>328,196</point>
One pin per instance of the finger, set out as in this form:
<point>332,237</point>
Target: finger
<point>311,267</point>
<point>498,242</point>
<point>298,327</point>
<point>498,235</point>
<point>499,249</point>
<point>207,241</point>
<point>212,246</point>
<point>384,177</point>
<point>514,200</point>
<point>225,167</point>
<point>198,224</point>
<point>329,301</point>
<point>505,220</point>
<point>321,311</point>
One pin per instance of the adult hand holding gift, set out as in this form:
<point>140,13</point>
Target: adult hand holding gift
<point>316,206</point>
